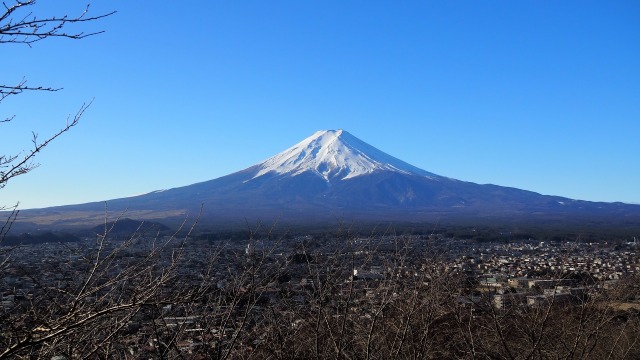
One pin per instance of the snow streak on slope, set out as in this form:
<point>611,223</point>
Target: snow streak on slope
<point>335,154</point>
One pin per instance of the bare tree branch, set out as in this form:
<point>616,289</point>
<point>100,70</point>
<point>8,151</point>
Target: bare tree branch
<point>15,165</point>
<point>20,26</point>
<point>8,90</point>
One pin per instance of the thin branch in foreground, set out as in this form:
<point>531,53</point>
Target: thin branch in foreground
<point>12,165</point>
<point>27,29</point>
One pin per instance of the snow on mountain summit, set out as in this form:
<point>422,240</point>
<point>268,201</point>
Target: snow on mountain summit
<point>335,154</point>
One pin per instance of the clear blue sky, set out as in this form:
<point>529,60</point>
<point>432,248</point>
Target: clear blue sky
<point>538,95</point>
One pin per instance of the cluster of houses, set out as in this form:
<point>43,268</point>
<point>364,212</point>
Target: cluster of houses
<point>539,259</point>
<point>506,274</point>
<point>536,273</point>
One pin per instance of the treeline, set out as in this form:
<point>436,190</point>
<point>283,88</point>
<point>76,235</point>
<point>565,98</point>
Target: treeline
<point>41,238</point>
<point>480,233</point>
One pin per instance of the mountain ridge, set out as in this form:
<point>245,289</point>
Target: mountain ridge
<point>334,174</point>
<point>334,154</point>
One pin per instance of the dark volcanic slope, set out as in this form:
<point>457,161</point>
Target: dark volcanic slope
<point>333,175</point>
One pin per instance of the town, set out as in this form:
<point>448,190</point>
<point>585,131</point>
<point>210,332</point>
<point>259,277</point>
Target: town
<point>212,298</point>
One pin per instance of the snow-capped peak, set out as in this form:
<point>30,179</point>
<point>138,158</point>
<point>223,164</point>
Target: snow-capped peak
<point>335,154</point>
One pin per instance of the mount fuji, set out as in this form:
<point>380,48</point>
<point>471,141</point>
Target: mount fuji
<point>334,175</point>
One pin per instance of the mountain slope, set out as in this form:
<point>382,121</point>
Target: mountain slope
<point>332,174</point>
<point>335,155</point>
